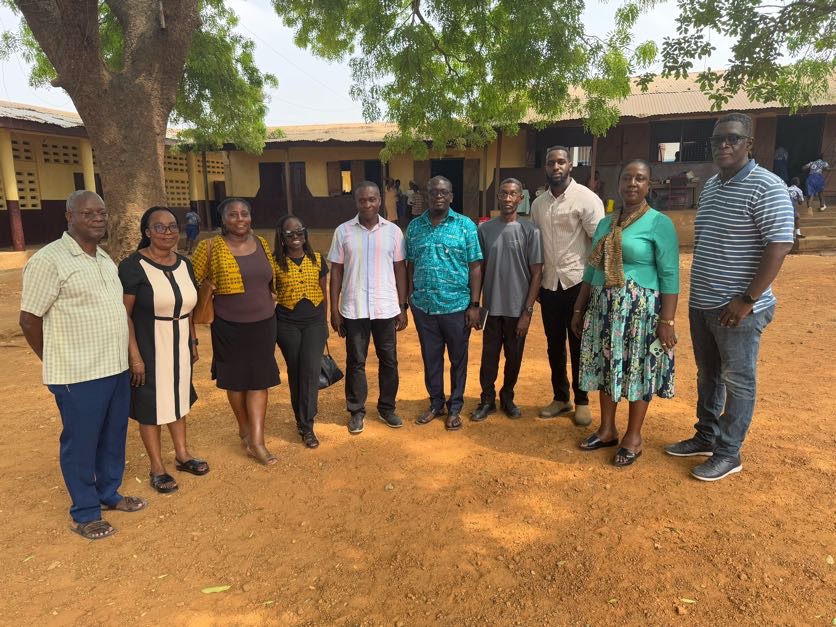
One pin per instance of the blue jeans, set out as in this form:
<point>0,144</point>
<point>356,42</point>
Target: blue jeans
<point>727,362</point>
<point>95,419</point>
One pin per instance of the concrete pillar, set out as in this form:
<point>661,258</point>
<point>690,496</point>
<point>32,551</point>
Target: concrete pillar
<point>7,170</point>
<point>87,165</point>
<point>191,167</point>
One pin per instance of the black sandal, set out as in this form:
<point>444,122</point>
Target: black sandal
<point>628,455</point>
<point>94,529</point>
<point>593,443</point>
<point>162,483</point>
<point>194,466</point>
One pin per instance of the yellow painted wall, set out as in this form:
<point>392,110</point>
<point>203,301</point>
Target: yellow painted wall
<point>242,169</point>
<point>54,180</point>
<point>402,167</point>
<point>242,175</point>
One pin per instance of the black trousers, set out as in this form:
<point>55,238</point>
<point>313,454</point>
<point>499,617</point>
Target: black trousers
<point>357,333</point>
<point>302,345</point>
<point>435,334</point>
<point>500,333</point>
<point>557,308</point>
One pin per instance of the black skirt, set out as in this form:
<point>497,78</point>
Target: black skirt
<point>244,355</point>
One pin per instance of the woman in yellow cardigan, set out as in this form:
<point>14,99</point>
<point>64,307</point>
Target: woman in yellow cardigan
<point>300,312</point>
<point>244,330</point>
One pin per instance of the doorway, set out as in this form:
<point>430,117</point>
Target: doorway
<point>453,169</point>
<point>802,136</point>
<point>270,202</point>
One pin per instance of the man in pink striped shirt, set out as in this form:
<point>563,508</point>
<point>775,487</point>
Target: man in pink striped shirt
<point>369,299</point>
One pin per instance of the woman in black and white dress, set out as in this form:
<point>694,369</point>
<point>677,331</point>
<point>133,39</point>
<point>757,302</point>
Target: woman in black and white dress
<point>159,296</point>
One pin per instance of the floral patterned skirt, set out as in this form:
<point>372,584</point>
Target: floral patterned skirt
<point>618,329</point>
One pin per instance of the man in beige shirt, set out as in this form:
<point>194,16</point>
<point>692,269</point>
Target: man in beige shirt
<point>567,215</point>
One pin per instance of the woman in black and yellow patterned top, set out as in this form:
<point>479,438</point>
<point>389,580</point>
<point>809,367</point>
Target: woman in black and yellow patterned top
<point>300,316</point>
<point>243,356</point>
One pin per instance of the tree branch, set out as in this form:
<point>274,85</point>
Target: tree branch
<point>416,11</point>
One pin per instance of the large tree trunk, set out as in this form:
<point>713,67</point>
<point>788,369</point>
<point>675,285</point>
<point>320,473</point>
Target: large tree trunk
<point>125,110</point>
<point>129,145</point>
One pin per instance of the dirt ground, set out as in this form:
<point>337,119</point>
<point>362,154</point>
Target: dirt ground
<point>505,522</point>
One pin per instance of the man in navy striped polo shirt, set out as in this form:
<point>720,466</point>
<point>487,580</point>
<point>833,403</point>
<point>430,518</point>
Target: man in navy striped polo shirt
<point>744,229</point>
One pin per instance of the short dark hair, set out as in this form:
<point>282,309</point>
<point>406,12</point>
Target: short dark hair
<point>641,161</point>
<point>744,119</point>
<point>514,181</point>
<point>364,184</point>
<point>795,181</point>
<point>439,179</point>
<point>558,147</point>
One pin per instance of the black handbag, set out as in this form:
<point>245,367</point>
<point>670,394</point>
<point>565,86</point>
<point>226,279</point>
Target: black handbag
<point>329,372</point>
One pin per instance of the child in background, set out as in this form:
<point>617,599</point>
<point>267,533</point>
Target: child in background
<point>797,197</point>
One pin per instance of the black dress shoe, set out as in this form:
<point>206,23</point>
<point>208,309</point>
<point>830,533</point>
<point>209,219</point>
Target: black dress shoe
<point>355,425</point>
<point>511,410</point>
<point>428,416</point>
<point>310,439</point>
<point>483,411</point>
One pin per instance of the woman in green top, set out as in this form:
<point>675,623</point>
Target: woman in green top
<point>627,302</point>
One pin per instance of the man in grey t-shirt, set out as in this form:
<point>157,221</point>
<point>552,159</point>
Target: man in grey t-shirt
<point>512,269</point>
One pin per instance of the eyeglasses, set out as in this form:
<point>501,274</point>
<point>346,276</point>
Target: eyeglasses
<point>90,215</point>
<point>298,232</point>
<point>513,194</point>
<point>732,139</point>
<point>165,228</point>
<point>433,193</point>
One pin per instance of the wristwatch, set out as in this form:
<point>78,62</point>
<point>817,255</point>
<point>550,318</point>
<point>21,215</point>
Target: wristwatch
<point>194,341</point>
<point>529,309</point>
<point>748,299</point>
<point>473,303</point>
<point>404,306</point>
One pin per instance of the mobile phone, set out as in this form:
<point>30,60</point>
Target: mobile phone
<point>483,316</point>
<point>656,349</point>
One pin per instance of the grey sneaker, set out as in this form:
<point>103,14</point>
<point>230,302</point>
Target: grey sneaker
<point>689,448</point>
<point>355,425</point>
<point>555,408</point>
<point>716,468</point>
<point>392,420</point>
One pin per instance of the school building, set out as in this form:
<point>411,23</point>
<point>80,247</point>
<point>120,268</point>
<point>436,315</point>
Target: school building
<point>310,172</point>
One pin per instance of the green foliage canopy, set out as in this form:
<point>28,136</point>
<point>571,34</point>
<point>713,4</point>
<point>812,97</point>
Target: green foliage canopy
<point>452,70</point>
<point>220,98</point>
<point>784,51</point>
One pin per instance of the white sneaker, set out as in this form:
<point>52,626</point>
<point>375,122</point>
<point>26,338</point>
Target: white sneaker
<point>823,207</point>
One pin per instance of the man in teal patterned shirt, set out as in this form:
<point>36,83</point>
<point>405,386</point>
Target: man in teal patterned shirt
<point>445,275</point>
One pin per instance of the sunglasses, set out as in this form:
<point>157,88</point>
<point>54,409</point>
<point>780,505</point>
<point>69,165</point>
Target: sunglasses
<point>298,232</point>
<point>732,139</point>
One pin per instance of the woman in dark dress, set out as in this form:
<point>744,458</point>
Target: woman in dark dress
<point>159,297</point>
<point>243,270</point>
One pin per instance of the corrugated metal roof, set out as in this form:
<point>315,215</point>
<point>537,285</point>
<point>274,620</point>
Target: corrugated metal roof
<point>668,96</point>
<point>664,97</point>
<point>335,132</point>
<point>41,115</point>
